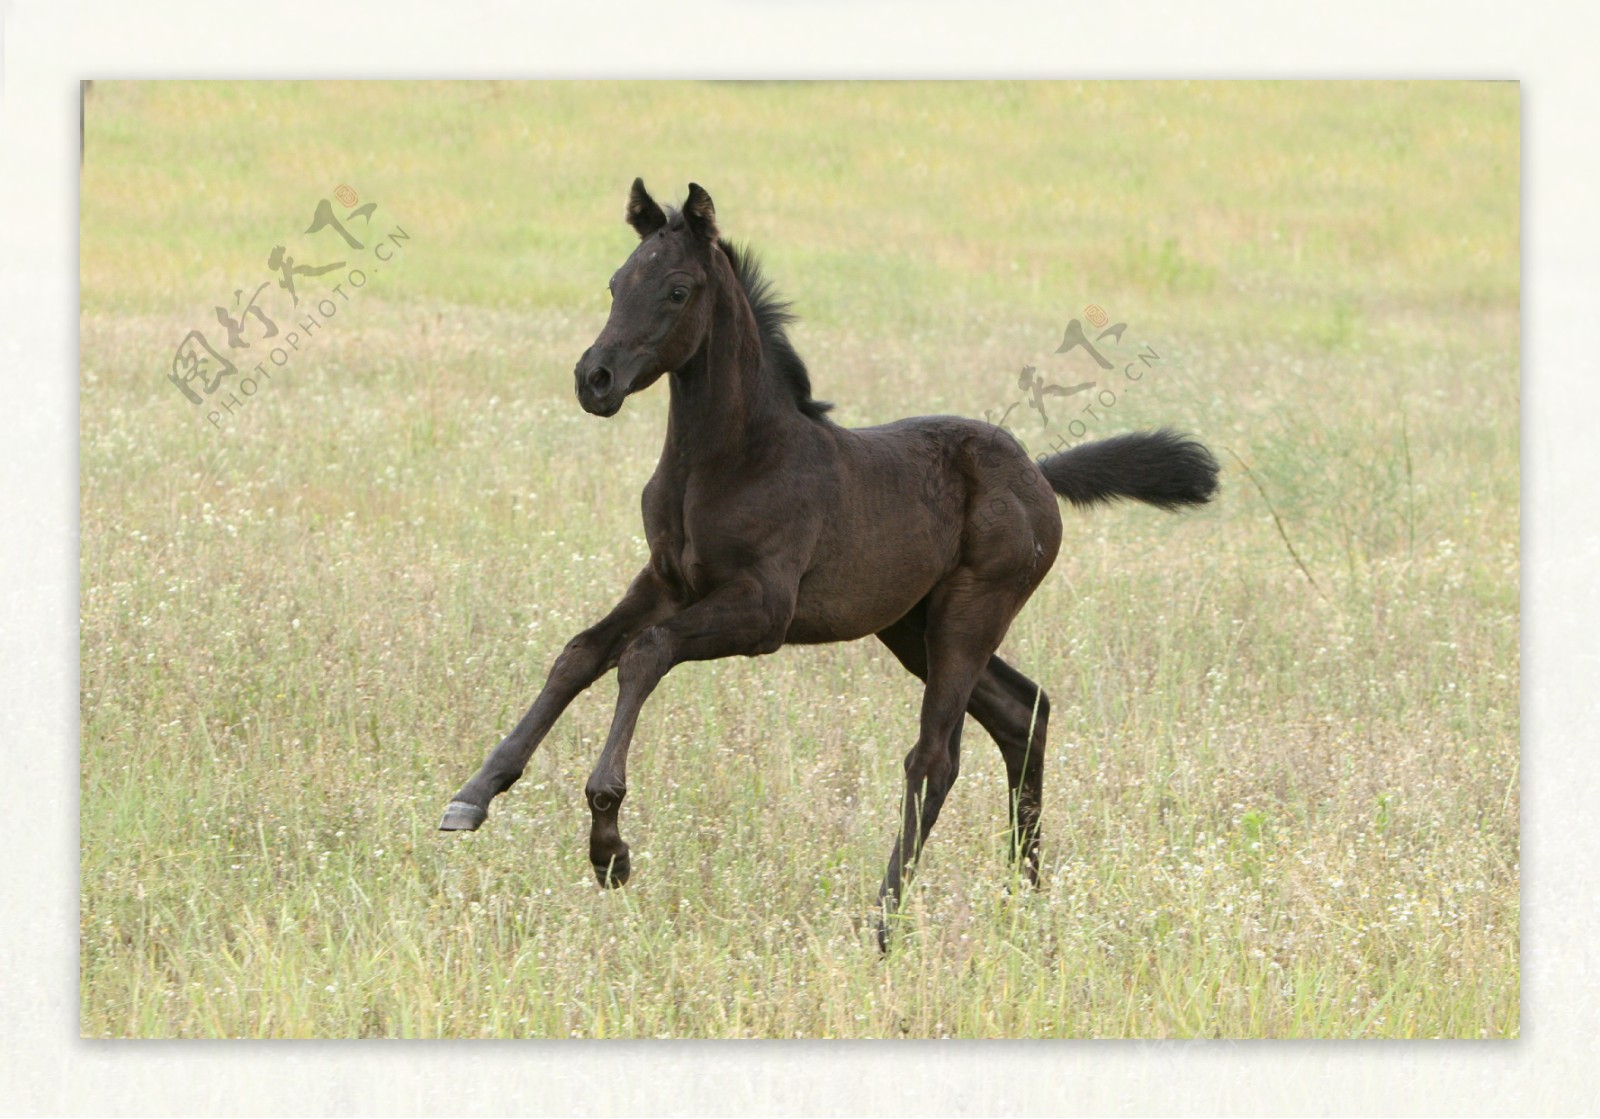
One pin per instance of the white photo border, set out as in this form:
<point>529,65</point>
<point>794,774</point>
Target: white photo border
<point>47,48</point>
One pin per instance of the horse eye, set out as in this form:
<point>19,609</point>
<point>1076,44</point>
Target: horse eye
<point>679,294</point>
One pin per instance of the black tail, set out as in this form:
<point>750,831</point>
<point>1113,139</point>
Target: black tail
<point>1162,468</point>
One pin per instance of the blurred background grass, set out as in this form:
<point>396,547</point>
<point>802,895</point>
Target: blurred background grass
<point>1382,198</point>
<point>1274,808</point>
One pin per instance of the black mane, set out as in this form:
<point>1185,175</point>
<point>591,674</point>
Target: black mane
<point>772,316</point>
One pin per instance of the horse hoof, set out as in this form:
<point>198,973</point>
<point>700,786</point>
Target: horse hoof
<point>614,873</point>
<point>461,816</point>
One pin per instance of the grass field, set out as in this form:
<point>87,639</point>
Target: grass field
<point>1282,790</point>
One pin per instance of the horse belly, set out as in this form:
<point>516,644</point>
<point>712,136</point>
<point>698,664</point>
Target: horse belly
<point>841,608</point>
<point>860,595</point>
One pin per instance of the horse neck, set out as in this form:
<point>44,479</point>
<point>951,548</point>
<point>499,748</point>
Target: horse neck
<point>723,402</point>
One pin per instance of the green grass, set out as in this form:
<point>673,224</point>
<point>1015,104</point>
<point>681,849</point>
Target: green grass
<point>1274,807</point>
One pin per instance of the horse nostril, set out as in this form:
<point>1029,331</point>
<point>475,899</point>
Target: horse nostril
<point>600,381</point>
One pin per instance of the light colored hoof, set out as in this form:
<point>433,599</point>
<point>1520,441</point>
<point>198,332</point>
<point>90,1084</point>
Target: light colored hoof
<point>460,816</point>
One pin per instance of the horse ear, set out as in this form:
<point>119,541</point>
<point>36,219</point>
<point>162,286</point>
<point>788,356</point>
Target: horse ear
<point>643,213</point>
<point>700,213</point>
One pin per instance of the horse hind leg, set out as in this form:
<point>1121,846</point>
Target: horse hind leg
<point>966,619</point>
<point>1016,713</point>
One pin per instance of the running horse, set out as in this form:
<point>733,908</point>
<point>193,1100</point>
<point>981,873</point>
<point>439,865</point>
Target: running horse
<point>769,524</point>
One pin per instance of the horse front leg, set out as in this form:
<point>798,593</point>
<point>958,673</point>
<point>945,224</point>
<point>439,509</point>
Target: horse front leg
<point>747,617</point>
<point>586,658</point>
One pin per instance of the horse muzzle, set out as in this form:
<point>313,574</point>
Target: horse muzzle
<point>599,387</point>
